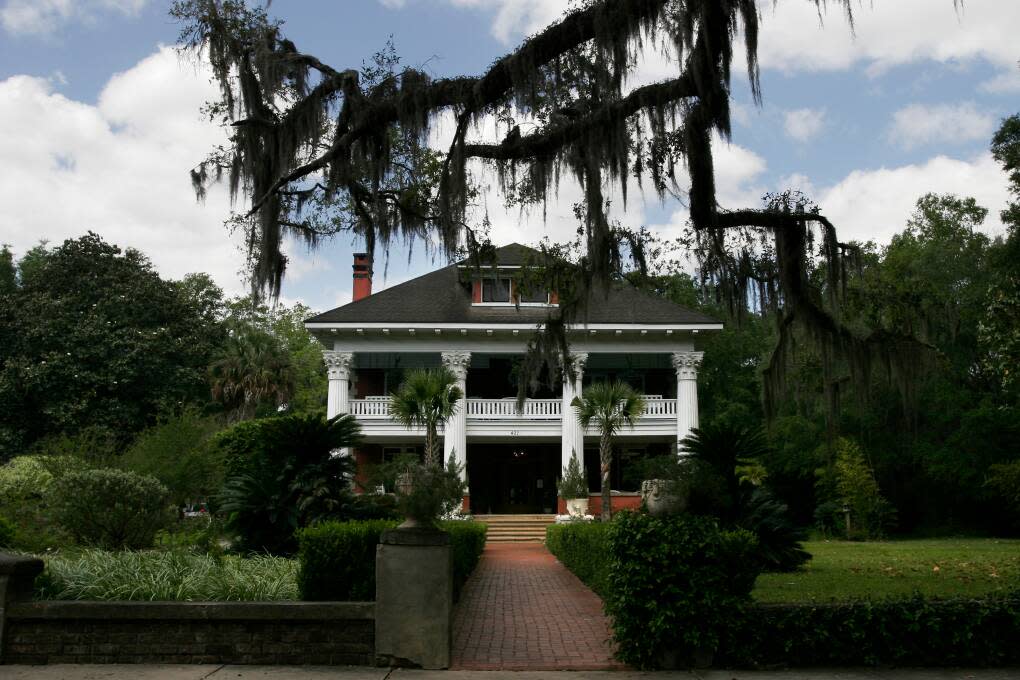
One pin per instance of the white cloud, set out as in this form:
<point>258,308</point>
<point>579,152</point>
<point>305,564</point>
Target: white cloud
<point>918,124</point>
<point>516,18</point>
<point>119,168</point>
<point>875,204</point>
<point>393,4</point>
<point>35,17</point>
<point>1005,83</point>
<point>803,125</point>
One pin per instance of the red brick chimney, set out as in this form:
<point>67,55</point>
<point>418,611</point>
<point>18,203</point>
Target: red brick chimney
<point>362,276</point>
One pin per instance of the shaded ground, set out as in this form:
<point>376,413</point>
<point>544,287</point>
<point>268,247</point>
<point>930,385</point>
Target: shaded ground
<point>522,610</point>
<point>841,570</point>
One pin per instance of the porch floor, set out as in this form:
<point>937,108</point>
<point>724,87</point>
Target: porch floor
<point>523,610</point>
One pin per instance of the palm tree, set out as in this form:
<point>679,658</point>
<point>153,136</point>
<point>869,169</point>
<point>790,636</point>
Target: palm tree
<point>426,398</point>
<point>251,369</point>
<point>723,447</point>
<point>609,406</point>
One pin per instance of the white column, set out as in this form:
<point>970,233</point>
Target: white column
<point>338,369</point>
<point>455,429</point>
<point>572,434</point>
<point>686,365</point>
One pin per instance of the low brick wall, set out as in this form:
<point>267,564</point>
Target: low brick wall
<point>320,633</point>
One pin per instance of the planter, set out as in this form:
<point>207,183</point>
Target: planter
<point>577,507</point>
<point>663,497</point>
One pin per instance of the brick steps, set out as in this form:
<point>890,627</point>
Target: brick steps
<point>516,528</point>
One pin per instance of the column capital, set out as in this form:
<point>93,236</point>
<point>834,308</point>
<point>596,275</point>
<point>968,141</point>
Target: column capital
<point>338,364</point>
<point>578,360</point>
<point>687,364</point>
<point>457,361</point>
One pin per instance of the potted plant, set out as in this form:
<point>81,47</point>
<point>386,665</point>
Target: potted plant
<point>573,487</point>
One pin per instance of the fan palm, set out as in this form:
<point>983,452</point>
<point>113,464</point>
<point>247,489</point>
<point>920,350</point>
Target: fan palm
<point>723,448</point>
<point>252,369</point>
<point>609,407</point>
<point>426,398</point>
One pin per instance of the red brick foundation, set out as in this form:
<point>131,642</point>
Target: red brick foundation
<point>622,500</point>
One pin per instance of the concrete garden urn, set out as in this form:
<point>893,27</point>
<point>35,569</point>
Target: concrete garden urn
<point>577,507</point>
<point>663,497</point>
<point>405,486</point>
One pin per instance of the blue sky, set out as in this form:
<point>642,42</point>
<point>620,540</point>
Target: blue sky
<point>99,120</point>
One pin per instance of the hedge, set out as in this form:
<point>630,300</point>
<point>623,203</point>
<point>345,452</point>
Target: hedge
<point>583,548</point>
<point>337,559</point>
<point>678,592</point>
<point>901,632</point>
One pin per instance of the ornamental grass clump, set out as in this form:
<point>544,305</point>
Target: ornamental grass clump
<point>174,576</point>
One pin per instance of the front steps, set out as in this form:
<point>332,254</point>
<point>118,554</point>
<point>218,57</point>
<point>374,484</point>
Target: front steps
<point>516,528</point>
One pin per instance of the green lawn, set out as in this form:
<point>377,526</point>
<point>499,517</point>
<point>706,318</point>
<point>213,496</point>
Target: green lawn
<point>841,570</point>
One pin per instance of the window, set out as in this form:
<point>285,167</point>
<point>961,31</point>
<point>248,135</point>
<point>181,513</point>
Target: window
<point>533,296</point>
<point>496,290</point>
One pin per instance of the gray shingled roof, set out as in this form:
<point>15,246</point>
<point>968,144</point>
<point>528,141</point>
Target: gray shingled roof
<point>442,297</point>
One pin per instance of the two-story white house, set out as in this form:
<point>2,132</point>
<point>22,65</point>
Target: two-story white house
<point>475,323</point>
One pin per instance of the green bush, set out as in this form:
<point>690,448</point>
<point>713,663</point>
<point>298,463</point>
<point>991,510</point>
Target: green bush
<point>282,475</point>
<point>6,533</point>
<point>177,451</point>
<point>110,508</point>
<point>583,548</point>
<point>338,558</point>
<point>574,482</point>
<point>676,586</point>
<point>23,477</point>
<point>436,492</point>
<point>904,632</point>
<point>467,541</point>
<point>177,575</point>
<point>1003,484</point>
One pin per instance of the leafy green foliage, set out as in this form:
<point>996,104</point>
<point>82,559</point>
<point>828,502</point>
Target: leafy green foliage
<point>175,576</point>
<point>435,491</point>
<point>607,407</point>
<point>93,337</point>
<point>903,632</point>
<point>1003,483</point>
<point>851,484</point>
<point>178,452</point>
<point>676,586</point>
<point>426,398</point>
<point>721,451</point>
<point>338,558</point>
<point>251,370</point>
<point>110,508</point>
<point>583,548</point>
<point>282,475</point>
<point>22,478</point>
<point>7,532</point>
<point>574,483</point>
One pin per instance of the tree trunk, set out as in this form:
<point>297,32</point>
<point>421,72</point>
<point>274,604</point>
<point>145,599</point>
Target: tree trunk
<point>431,440</point>
<point>606,460</point>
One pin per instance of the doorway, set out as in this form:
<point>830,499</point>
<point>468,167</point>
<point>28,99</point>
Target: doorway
<point>511,479</point>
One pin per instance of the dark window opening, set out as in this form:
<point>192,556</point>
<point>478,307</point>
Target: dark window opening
<point>495,290</point>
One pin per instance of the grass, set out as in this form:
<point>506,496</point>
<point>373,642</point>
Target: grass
<point>838,570</point>
<point>177,576</point>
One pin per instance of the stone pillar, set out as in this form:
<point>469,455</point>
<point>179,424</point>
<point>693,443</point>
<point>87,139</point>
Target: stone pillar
<point>17,576</point>
<point>338,368</point>
<point>572,434</point>
<point>455,429</point>
<point>686,365</point>
<point>413,598</point>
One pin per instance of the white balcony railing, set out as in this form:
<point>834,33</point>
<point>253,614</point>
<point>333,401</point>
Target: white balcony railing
<point>505,409</point>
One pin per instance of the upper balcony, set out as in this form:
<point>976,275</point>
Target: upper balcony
<point>494,418</point>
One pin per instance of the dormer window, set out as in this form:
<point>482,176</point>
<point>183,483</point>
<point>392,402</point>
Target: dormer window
<point>495,290</point>
<point>538,296</point>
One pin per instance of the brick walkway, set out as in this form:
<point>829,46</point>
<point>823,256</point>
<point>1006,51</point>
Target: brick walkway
<point>522,610</point>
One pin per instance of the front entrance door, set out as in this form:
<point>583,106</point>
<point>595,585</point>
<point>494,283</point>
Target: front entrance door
<point>508,479</point>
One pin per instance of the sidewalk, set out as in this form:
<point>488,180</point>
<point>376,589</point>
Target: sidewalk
<point>141,672</point>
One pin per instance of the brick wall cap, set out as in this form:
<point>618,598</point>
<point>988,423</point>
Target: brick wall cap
<point>219,611</point>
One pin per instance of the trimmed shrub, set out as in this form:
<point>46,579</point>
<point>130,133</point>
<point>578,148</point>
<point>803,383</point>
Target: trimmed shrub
<point>337,559</point>
<point>467,541</point>
<point>676,586</point>
<point>110,508</point>
<point>23,477</point>
<point>905,632</point>
<point>583,548</point>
